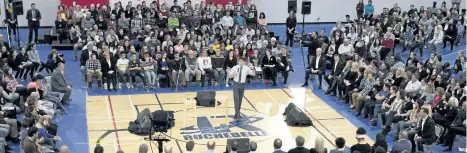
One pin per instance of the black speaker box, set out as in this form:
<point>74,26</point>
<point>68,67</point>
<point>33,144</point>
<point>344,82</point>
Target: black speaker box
<point>18,7</point>
<point>206,98</point>
<point>296,117</point>
<point>306,7</point>
<point>292,6</point>
<point>163,117</point>
<point>243,145</point>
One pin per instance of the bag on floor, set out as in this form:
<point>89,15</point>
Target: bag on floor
<point>142,125</point>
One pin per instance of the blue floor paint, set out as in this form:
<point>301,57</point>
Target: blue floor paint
<point>73,127</point>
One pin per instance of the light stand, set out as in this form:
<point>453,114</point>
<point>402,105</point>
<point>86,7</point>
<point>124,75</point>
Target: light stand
<point>160,138</point>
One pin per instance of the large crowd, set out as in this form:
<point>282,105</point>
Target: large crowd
<point>420,100</point>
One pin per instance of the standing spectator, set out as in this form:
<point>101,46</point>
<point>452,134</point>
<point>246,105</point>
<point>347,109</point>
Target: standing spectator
<point>59,83</point>
<point>369,9</point>
<point>360,9</point>
<point>290,24</point>
<point>33,16</point>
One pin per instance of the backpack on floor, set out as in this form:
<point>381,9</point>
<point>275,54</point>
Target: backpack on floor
<point>142,125</point>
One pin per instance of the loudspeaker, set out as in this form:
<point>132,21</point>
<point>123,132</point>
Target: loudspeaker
<point>296,117</point>
<point>243,145</point>
<point>306,7</point>
<point>18,7</point>
<point>292,6</point>
<point>161,117</point>
<point>206,98</point>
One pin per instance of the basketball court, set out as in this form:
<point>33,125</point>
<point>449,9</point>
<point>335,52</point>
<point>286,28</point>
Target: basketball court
<point>108,118</point>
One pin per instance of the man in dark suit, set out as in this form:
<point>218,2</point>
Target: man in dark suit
<point>299,141</point>
<point>277,146</point>
<point>109,71</point>
<point>317,66</point>
<point>337,68</point>
<point>424,133</point>
<point>59,83</point>
<point>33,16</point>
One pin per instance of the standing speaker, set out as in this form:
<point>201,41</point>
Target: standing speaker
<point>296,117</point>
<point>306,7</point>
<point>292,6</point>
<point>206,98</point>
<point>18,7</point>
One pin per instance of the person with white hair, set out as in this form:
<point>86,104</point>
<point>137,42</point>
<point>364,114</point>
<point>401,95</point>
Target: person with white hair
<point>88,22</point>
<point>437,38</point>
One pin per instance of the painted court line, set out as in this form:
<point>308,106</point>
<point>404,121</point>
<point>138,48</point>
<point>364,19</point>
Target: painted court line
<point>108,108</point>
<point>106,117</point>
<point>132,107</point>
<point>113,119</point>
<point>109,121</point>
<point>115,146</point>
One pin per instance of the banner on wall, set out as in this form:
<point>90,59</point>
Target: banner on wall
<point>224,2</point>
<point>84,2</point>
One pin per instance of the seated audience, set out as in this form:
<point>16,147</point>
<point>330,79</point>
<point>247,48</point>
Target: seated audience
<point>424,133</point>
<point>402,144</point>
<point>59,83</point>
<point>361,146</point>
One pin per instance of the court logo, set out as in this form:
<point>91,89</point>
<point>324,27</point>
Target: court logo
<point>206,130</point>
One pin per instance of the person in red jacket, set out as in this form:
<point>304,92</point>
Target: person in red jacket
<point>388,45</point>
